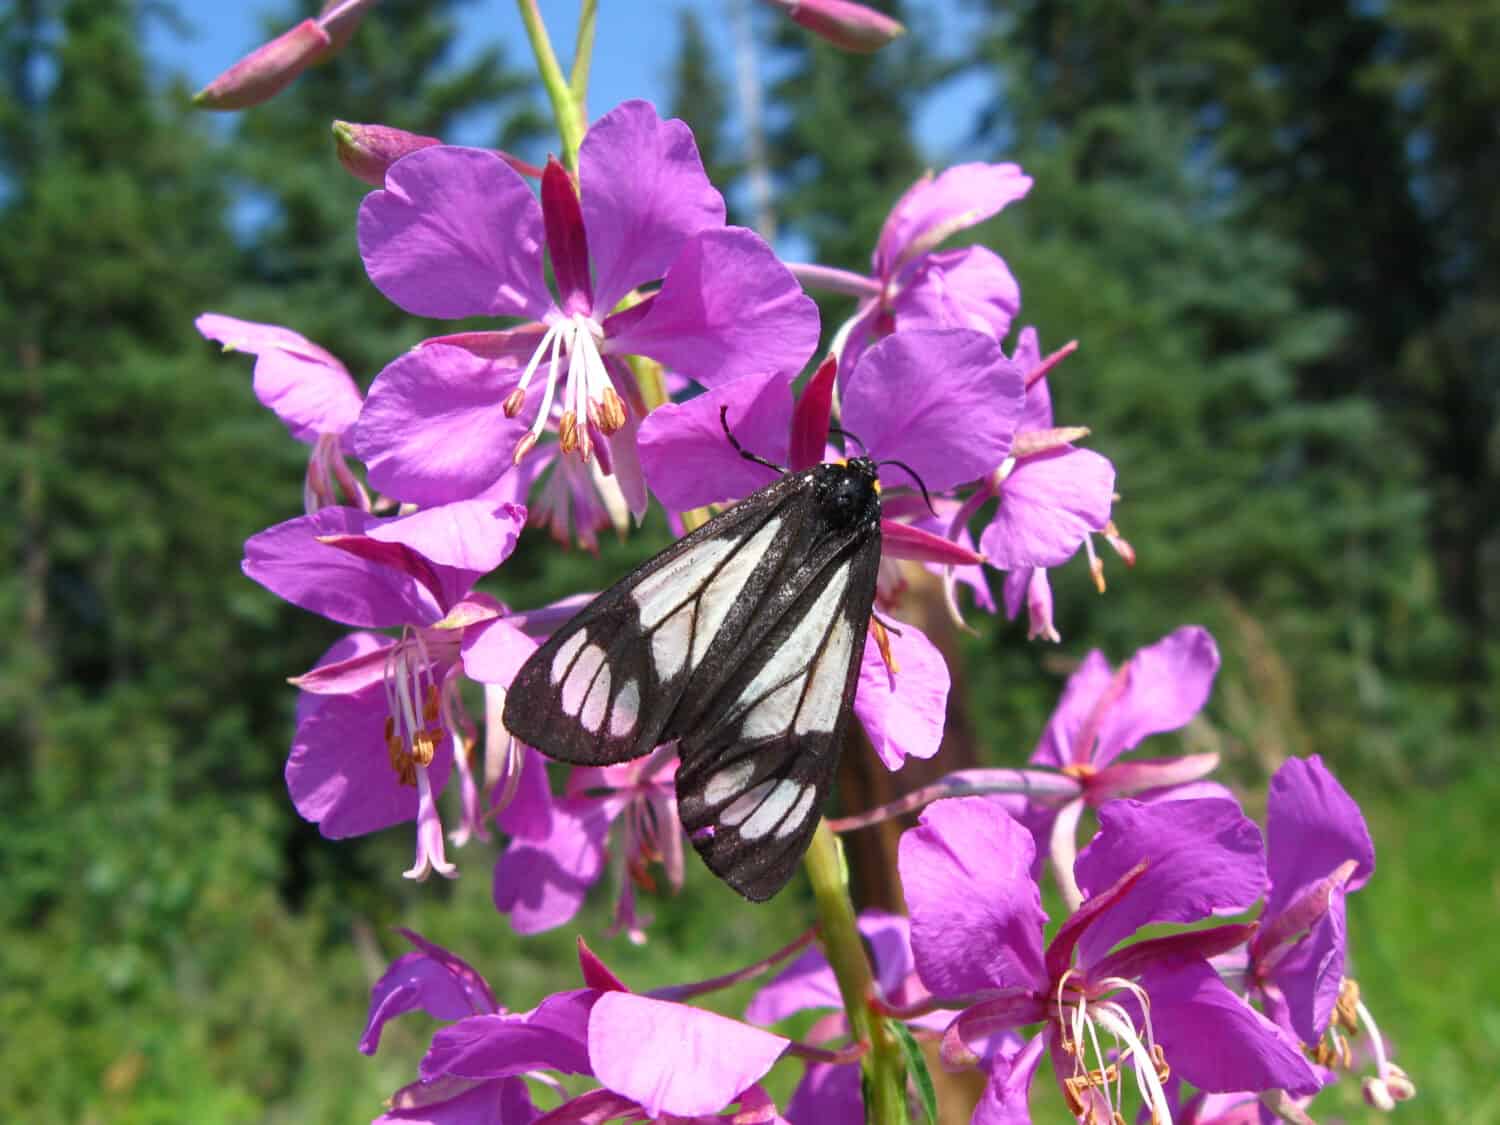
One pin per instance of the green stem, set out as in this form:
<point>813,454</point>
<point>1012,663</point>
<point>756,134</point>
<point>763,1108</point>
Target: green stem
<point>883,1065</point>
<point>564,105</point>
<point>583,56</point>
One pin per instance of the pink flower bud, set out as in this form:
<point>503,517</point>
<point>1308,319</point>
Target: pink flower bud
<point>267,70</point>
<point>367,151</point>
<point>853,27</point>
<point>340,17</point>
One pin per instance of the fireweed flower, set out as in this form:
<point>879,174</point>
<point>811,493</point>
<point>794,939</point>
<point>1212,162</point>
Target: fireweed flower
<point>381,720</point>
<point>310,391</point>
<point>830,1092</point>
<point>540,883</point>
<point>946,430</point>
<point>458,233</point>
<point>1318,851</point>
<point>1150,1008</point>
<point>654,1059</point>
<point>911,283</point>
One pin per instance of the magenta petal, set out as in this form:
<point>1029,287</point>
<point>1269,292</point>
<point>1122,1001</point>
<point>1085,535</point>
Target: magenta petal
<point>1203,858</point>
<point>903,712</point>
<point>339,773</point>
<point>461,1101</point>
<point>336,675</point>
<point>541,884</point>
<point>1048,506</point>
<point>976,912</point>
<point>829,1094</point>
<point>469,537</point>
<point>686,457</point>
<point>727,308</point>
<point>289,561</point>
<point>304,385</point>
<point>1062,739</point>
<point>1312,972</point>
<point>971,288</point>
<point>808,982</point>
<point>1167,683</point>
<point>494,652</point>
<point>501,1046</point>
<point>455,233</point>
<point>1312,825</point>
<point>675,1059</point>
<point>529,814</point>
<point>946,403</point>
<point>908,541</point>
<point>812,415</point>
<point>933,209</point>
<point>433,428</point>
<point>644,194</point>
<point>1215,1040</point>
<point>1007,1097</point>
<point>567,244</point>
<point>431,980</point>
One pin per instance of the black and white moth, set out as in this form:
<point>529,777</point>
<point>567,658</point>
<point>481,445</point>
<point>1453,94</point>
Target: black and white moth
<point>743,641</point>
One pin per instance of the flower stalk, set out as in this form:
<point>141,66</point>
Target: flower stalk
<point>565,106</point>
<point>883,1066</point>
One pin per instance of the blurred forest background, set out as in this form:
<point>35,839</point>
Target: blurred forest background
<point>1274,228</point>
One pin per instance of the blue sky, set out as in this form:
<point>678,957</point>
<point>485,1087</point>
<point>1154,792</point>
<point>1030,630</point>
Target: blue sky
<point>635,46</point>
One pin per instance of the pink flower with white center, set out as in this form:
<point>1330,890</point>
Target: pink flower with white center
<point>457,232</point>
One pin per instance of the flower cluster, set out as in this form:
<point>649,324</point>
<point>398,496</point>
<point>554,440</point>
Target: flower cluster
<point>632,326</point>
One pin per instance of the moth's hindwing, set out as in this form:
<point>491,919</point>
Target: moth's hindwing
<point>743,640</point>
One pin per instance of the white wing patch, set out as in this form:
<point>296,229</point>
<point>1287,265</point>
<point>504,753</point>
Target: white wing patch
<point>725,589</point>
<point>773,810</point>
<point>797,650</point>
<point>747,803</point>
<point>825,689</point>
<point>627,710</point>
<point>596,702</point>
<point>566,653</point>
<point>670,643</point>
<point>773,714</point>
<point>581,677</point>
<point>657,596</point>
<point>727,782</point>
<point>799,812</point>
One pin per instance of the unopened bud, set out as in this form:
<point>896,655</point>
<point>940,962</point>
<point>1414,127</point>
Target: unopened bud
<point>850,26</point>
<point>513,402</point>
<point>266,71</point>
<point>340,17</point>
<point>368,151</point>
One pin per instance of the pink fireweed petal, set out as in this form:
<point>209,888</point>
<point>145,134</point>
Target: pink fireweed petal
<point>434,427</point>
<point>976,912</point>
<point>470,536</point>
<point>686,457</point>
<point>351,664</point>
<point>1214,1039</point>
<point>1203,858</point>
<point>289,560</point>
<point>1048,506</point>
<point>933,209</point>
<point>1167,684</point>
<point>541,884</point>
<point>644,194</point>
<point>808,982</point>
<point>303,384</point>
<point>567,244</point>
<point>1061,743</point>
<point>1311,974</point>
<point>908,541</point>
<point>1312,825</point>
<point>675,1059</point>
<point>946,403</point>
<point>971,288</point>
<point>829,1094</point>
<point>811,417</point>
<point>494,651</point>
<point>455,233</point>
<point>1034,589</point>
<point>431,980</point>
<point>500,1046</point>
<point>461,1101</point>
<point>727,308</point>
<point>1007,1096</point>
<point>339,772</point>
<point>903,712</point>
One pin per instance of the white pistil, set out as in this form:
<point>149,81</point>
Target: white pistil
<point>587,394</point>
<point>1082,1020</point>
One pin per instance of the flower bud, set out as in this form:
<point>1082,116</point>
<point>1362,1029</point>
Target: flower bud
<point>266,71</point>
<point>850,26</point>
<point>368,151</point>
<point>340,17</point>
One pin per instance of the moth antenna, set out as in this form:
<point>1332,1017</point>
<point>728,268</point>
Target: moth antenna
<point>863,449</point>
<point>741,450</point>
<point>913,474</point>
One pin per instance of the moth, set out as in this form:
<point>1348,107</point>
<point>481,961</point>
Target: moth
<point>742,641</point>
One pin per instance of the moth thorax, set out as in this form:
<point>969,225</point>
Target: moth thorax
<point>847,494</point>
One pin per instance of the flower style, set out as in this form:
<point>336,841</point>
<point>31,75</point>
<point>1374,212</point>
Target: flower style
<point>310,391</point>
<point>457,232</point>
<point>977,938</point>
<point>381,721</point>
<point>1318,851</point>
<point>912,284</point>
<point>541,882</point>
<point>654,1058</point>
<point>899,412</point>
